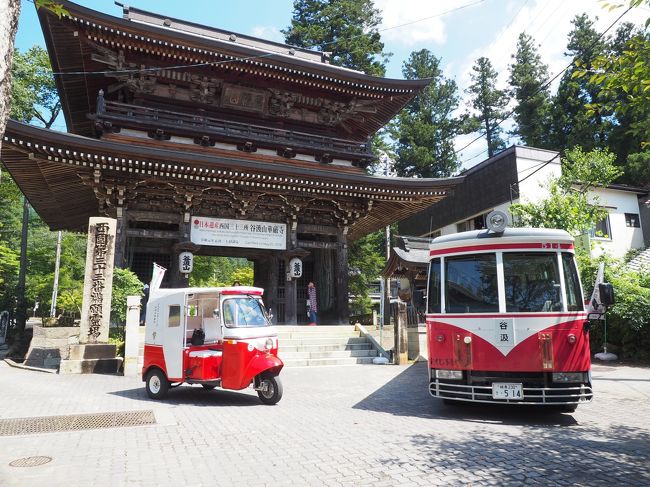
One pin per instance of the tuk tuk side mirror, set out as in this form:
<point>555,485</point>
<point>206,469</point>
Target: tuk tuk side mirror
<point>216,313</point>
<point>269,314</point>
<point>606,292</point>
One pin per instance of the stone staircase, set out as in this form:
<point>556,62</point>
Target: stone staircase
<point>301,346</point>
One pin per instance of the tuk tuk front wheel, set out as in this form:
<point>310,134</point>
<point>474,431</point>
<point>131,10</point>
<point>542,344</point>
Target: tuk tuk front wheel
<point>270,391</point>
<point>157,384</point>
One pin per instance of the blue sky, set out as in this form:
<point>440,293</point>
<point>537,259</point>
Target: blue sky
<point>457,31</point>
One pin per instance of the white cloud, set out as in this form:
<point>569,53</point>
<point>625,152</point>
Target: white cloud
<point>422,16</point>
<point>267,33</point>
<point>549,22</point>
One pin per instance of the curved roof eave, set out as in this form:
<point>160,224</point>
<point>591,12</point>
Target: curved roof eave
<point>246,51</point>
<point>47,136</point>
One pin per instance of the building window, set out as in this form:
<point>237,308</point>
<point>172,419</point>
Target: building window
<point>602,229</point>
<point>632,220</point>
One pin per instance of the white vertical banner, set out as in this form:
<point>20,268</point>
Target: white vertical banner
<point>156,278</point>
<point>594,302</point>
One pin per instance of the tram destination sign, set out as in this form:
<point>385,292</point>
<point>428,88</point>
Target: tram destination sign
<point>250,234</point>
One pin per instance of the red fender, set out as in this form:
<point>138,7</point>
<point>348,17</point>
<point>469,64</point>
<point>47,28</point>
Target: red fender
<point>258,364</point>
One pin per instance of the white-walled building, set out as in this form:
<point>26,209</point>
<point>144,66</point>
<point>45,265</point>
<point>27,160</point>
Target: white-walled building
<point>521,174</point>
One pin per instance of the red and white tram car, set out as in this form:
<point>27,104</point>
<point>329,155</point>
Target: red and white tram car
<point>506,320</point>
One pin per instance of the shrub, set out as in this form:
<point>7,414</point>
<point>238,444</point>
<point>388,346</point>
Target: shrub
<point>628,320</point>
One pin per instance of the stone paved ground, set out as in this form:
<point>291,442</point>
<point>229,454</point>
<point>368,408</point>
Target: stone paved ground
<point>358,425</point>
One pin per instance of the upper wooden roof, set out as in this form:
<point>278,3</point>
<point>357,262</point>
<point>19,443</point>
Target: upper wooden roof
<point>77,43</point>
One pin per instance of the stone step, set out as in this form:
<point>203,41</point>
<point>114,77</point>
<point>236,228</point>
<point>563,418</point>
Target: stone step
<point>324,347</point>
<point>315,334</point>
<point>322,354</point>
<point>341,341</point>
<point>327,361</point>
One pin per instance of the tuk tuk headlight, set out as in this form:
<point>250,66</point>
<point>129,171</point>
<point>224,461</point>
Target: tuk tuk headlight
<point>269,344</point>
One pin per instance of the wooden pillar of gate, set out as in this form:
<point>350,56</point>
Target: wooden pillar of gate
<point>342,306</point>
<point>120,238</point>
<point>271,293</point>
<point>290,287</point>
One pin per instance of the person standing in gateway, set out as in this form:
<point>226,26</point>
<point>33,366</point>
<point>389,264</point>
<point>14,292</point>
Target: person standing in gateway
<point>313,305</point>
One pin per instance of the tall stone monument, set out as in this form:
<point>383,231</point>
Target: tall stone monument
<point>93,354</point>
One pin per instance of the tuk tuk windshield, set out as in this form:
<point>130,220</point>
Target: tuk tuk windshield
<point>244,312</point>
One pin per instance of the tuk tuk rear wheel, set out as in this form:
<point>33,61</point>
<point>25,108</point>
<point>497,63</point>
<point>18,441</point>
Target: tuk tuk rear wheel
<point>271,390</point>
<point>157,384</point>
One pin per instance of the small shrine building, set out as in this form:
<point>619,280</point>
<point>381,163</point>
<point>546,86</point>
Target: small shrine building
<point>203,140</point>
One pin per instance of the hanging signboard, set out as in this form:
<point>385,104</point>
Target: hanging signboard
<point>223,232</point>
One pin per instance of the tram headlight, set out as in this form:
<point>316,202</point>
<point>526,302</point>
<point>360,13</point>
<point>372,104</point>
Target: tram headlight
<point>569,377</point>
<point>449,374</point>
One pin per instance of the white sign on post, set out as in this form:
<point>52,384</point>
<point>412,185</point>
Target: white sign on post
<point>223,232</point>
<point>185,262</point>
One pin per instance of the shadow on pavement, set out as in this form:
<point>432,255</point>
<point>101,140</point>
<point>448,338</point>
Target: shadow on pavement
<point>196,396</point>
<point>408,395</point>
<point>542,456</point>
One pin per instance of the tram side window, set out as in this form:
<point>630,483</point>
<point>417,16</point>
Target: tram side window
<point>572,283</point>
<point>434,287</point>
<point>532,282</point>
<point>471,284</point>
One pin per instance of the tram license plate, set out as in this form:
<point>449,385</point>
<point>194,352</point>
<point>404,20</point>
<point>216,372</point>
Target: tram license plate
<point>505,390</point>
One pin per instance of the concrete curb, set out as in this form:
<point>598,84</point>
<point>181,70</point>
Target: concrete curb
<point>16,365</point>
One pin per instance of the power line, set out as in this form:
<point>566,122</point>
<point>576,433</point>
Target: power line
<point>547,83</point>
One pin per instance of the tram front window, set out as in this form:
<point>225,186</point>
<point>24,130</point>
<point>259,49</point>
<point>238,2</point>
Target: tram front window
<point>471,284</point>
<point>532,282</point>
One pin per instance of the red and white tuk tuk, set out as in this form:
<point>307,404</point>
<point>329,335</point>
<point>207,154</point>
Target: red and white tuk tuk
<point>213,337</point>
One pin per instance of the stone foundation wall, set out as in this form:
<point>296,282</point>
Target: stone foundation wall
<point>50,345</point>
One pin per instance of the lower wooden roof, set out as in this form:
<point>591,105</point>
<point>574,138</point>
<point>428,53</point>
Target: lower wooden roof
<point>56,171</point>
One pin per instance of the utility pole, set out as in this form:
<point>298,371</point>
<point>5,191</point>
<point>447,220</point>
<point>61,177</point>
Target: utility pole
<point>21,305</point>
<point>57,265</point>
<point>386,281</point>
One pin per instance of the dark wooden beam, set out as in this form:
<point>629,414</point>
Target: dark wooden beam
<point>309,244</point>
<point>342,308</point>
<point>157,234</point>
<point>317,229</point>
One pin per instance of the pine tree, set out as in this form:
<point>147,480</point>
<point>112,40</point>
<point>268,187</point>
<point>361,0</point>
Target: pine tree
<point>573,123</point>
<point>345,28</point>
<point>426,128</point>
<point>527,77</point>
<point>489,103</point>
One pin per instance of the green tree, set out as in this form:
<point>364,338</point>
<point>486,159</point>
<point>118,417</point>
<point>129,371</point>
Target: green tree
<point>366,259</point>
<point>489,104</point>
<point>569,206</point>
<point>221,271</point>
<point>623,76</point>
<point>527,78</point>
<point>125,283</point>
<point>345,28</point>
<point>34,94</point>
<point>572,123</point>
<point>426,128</point>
